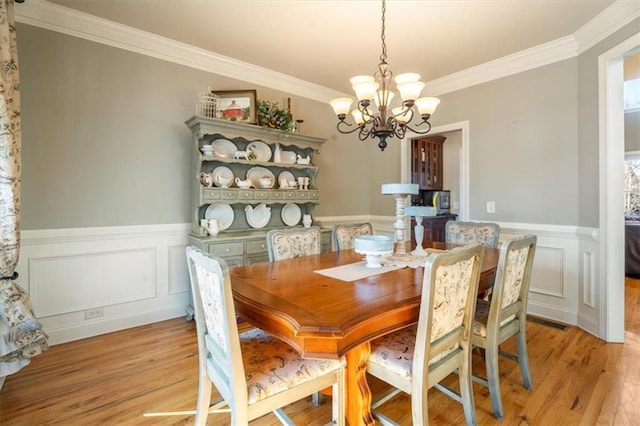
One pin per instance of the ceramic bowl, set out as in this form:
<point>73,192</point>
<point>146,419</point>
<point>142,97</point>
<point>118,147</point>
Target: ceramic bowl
<point>373,243</point>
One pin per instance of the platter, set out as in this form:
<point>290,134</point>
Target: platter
<point>223,148</point>
<point>222,174</point>
<point>257,217</point>
<point>261,149</point>
<point>291,214</point>
<point>255,173</point>
<point>222,212</point>
<point>288,157</point>
<point>287,177</point>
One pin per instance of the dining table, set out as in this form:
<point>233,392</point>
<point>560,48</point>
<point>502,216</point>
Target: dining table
<point>302,302</point>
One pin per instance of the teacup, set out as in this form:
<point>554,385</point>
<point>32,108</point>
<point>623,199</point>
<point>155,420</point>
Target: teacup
<point>266,182</point>
<point>224,181</point>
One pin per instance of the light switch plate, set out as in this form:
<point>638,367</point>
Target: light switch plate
<point>491,206</point>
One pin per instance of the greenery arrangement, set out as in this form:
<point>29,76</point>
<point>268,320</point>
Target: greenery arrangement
<point>271,115</point>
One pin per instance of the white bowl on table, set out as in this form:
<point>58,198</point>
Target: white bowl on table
<point>373,247</point>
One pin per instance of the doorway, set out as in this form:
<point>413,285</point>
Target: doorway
<point>611,153</point>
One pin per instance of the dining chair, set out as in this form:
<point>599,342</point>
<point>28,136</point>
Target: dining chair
<point>417,358</point>
<point>485,233</point>
<point>343,234</point>
<point>293,242</point>
<point>254,372</point>
<point>506,315</point>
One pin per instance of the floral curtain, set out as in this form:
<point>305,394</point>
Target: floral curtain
<point>21,335</point>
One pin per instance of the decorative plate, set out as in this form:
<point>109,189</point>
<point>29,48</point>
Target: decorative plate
<point>288,157</point>
<point>222,173</point>
<point>224,148</point>
<point>222,212</point>
<point>261,149</point>
<point>285,176</point>
<point>255,173</point>
<point>291,214</point>
<point>257,217</point>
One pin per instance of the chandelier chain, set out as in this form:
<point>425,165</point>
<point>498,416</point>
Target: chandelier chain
<point>383,56</point>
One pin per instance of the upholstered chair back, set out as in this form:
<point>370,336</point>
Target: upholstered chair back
<point>483,233</point>
<point>293,242</point>
<point>344,234</point>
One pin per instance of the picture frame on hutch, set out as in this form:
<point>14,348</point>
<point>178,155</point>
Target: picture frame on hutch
<point>237,105</point>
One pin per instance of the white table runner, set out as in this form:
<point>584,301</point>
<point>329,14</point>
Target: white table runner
<point>354,271</point>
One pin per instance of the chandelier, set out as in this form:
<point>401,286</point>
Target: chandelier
<point>386,122</point>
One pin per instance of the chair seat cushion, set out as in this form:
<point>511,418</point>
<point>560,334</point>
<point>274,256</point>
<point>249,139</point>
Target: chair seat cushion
<point>272,366</point>
<point>394,351</point>
<point>482,315</point>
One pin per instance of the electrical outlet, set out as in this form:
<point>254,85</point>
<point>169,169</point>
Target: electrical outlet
<point>491,206</point>
<point>93,313</point>
<point>456,205</point>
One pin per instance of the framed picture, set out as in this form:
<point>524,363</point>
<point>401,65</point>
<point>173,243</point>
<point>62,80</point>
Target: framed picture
<point>237,105</point>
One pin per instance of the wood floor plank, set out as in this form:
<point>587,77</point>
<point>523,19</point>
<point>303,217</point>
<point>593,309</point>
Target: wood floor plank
<point>116,378</point>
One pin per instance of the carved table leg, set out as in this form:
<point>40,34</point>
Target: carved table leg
<point>358,393</point>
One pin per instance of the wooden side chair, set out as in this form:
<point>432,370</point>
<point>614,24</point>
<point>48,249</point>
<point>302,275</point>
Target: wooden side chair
<point>343,234</point>
<point>293,242</point>
<point>255,373</point>
<point>506,315</point>
<point>417,358</point>
<point>484,233</point>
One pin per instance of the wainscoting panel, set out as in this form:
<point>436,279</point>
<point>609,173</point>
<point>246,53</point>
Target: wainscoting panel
<point>89,281</point>
<point>548,265</point>
<point>61,284</point>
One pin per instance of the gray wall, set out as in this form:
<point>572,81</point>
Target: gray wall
<point>104,140</point>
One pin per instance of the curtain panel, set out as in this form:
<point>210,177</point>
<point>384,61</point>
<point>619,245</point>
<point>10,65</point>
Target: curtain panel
<point>21,335</point>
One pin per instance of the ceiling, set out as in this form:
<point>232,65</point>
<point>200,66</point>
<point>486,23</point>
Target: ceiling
<point>327,42</point>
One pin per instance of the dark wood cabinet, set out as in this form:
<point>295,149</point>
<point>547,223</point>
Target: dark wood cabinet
<point>426,162</point>
<point>433,227</point>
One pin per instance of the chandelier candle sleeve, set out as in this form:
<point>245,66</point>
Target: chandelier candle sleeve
<point>384,120</point>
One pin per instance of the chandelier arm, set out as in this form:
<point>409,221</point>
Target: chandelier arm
<point>420,132</point>
<point>343,127</point>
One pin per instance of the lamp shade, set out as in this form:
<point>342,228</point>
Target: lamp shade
<point>341,105</point>
<point>410,91</point>
<point>427,105</point>
<point>365,90</point>
<point>402,115</point>
<point>406,78</point>
<point>358,116</point>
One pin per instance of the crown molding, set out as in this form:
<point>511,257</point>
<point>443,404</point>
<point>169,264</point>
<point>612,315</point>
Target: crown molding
<point>42,14</point>
<point>525,60</point>
<point>616,16</point>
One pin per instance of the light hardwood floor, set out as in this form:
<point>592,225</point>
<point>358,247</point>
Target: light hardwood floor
<point>115,378</point>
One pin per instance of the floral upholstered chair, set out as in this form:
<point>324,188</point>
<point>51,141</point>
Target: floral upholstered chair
<point>344,234</point>
<point>254,372</point>
<point>506,315</point>
<point>293,242</point>
<point>484,233</point>
<point>417,358</point>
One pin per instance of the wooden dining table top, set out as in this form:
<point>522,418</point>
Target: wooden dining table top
<point>325,317</point>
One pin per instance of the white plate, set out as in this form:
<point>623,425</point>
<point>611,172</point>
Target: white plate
<point>224,172</point>
<point>224,148</point>
<point>262,150</point>
<point>257,217</point>
<point>285,176</point>
<point>288,157</point>
<point>255,173</point>
<point>291,214</point>
<point>222,212</point>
